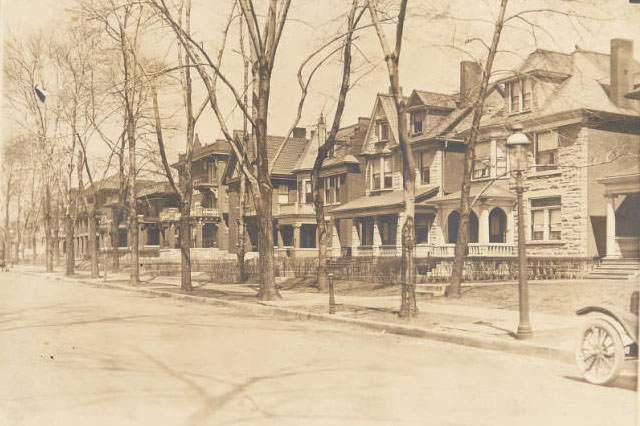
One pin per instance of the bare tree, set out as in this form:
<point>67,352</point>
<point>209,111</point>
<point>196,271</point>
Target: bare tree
<point>263,44</point>
<point>24,68</point>
<point>408,305</point>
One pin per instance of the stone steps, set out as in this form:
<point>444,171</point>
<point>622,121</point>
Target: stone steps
<point>620,269</point>
<point>434,290</point>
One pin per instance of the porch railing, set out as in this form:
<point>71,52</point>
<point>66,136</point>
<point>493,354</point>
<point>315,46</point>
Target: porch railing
<point>491,250</point>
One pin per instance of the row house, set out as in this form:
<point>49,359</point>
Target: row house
<point>341,180</point>
<point>581,114</point>
<point>283,154</point>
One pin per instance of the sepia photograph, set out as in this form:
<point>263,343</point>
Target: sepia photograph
<point>319,212</point>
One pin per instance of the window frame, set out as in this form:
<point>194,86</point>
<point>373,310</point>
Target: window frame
<point>413,122</point>
<point>423,181</point>
<point>547,230</point>
<point>282,193</point>
<point>543,166</point>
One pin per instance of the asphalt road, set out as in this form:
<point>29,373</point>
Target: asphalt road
<point>71,354</point>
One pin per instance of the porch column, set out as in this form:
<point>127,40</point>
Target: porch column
<point>335,240</point>
<point>296,236</point>
<point>377,241</point>
<point>279,236</point>
<point>510,226</point>
<point>613,250</point>
<point>355,238</point>
<point>483,226</point>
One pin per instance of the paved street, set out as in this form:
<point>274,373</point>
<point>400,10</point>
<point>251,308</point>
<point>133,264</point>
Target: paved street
<point>78,355</point>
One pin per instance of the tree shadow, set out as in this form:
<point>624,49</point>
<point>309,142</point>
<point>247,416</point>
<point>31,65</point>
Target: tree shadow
<point>79,322</point>
<point>212,403</point>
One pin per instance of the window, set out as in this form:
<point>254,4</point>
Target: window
<point>424,164</point>
<point>514,90</point>
<point>308,236</point>
<point>527,88</point>
<point>308,193</point>
<point>213,171</point>
<point>520,95</point>
<point>122,238</point>
<point>388,227</point>
<point>416,119</point>
<point>375,170</point>
<point>546,220</point>
<point>383,130</point>
<point>482,161</point>
<point>366,231</point>
<point>388,175</point>
<point>546,151</point>
<point>283,193</point>
<point>422,226</point>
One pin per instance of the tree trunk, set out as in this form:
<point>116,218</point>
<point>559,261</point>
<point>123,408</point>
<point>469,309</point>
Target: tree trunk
<point>134,267</point>
<point>323,240</point>
<point>264,203</point>
<point>6,252</point>
<point>115,237</point>
<point>70,252</point>
<point>240,244</point>
<point>462,240</point>
<point>47,228</point>
<point>93,249</point>
<point>185,250</point>
<point>265,247</point>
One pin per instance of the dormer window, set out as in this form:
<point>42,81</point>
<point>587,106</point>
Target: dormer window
<point>520,93</point>
<point>383,130</point>
<point>416,120</point>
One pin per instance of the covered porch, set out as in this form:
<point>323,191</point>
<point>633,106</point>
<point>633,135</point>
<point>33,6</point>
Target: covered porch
<point>622,193</point>
<point>491,224</point>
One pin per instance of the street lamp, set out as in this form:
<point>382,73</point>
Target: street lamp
<point>517,145</point>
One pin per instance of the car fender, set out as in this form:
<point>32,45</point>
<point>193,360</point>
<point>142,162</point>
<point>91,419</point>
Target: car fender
<point>625,322</point>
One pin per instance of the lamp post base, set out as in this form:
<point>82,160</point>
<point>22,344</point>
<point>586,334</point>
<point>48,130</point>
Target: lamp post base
<point>524,332</point>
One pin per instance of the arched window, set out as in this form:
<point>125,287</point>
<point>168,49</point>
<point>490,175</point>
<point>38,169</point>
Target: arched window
<point>453,223</point>
<point>497,226</point>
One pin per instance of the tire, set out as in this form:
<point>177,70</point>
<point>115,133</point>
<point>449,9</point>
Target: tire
<point>599,352</point>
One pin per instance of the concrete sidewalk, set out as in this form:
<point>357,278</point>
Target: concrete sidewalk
<point>554,335</point>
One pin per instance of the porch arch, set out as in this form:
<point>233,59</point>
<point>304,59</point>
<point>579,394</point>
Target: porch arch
<point>497,226</point>
<point>453,224</point>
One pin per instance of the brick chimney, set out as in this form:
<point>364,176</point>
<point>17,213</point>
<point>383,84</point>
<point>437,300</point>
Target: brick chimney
<point>470,78</point>
<point>620,68</point>
<point>322,131</point>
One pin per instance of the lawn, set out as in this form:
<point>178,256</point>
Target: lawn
<point>562,298</point>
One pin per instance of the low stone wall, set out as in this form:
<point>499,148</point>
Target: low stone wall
<point>494,269</point>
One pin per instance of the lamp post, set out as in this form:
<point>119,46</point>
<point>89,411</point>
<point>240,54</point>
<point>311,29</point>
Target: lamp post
<point>517,145</point>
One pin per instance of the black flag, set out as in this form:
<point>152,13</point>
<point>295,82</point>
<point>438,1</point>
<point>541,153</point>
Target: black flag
<point>42,95</point>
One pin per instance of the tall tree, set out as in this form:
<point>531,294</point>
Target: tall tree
<point>263,44</point>
<point>408,305</point>
<point>462,240</point>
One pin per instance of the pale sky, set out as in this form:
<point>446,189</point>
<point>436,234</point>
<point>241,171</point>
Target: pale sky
<point>428,62</point>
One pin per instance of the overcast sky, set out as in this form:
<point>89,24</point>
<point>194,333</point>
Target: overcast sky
<point>428,62</point>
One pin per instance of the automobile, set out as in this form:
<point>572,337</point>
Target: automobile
<point>608,337</point>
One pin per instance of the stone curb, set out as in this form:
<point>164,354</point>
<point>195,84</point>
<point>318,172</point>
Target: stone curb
<point>264,309</point>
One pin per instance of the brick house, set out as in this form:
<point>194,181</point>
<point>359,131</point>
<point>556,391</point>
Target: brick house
<point>341,181</point>
<point>210,202</point>
<point>282,154</point>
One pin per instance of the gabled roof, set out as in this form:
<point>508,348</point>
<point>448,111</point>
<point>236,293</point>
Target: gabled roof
<point>388,106</point>
<point>282,155</point>
<point>546,60</point>
<point>155,188</point>
<point>345,138</point>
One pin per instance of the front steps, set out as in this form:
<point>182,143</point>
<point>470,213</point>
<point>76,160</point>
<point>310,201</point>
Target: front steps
<point>616,269</point>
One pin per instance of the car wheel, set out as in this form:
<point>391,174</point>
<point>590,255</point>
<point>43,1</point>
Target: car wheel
<point>600,352</point>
